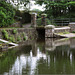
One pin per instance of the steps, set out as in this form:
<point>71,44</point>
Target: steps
<point>70,35</point>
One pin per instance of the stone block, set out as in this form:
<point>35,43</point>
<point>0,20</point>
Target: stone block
<point>49,30</point>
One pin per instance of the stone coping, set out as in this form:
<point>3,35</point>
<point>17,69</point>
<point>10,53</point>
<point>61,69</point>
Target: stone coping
<point>70,35</point>
<point>61,28</point>
<point>50,26</point>
<point>72,23</point>
<point>17,28</point>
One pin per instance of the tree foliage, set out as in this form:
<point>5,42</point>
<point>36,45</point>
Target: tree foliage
<point>7,14</point>
<point>57,8</point>
<point>18,2</point>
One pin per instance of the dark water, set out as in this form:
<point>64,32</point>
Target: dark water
<point>42,57</point>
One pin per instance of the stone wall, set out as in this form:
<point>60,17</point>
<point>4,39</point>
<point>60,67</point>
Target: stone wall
<point>72,26</point>
<point>48,33</point>
<point>52,43</point>
<point>20,34</point>
<point>72,43</point>
<point>49,44</point>
<point>50,30</point>
<point>62,29</point>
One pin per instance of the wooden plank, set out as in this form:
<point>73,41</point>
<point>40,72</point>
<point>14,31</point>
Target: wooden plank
<point>8,42</point>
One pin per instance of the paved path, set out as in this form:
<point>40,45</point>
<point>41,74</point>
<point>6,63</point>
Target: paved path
<point>69,35</point>
<point>27,25</point>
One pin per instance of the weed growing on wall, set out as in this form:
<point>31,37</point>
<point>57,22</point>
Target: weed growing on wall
<point>14,31</point>
<point>24,36</point>
<point>12,39</point>
<point>73,31</point>
<point>5,34</point>
<point>18,38</point>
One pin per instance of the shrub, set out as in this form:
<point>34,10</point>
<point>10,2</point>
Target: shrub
<point>39,21</point>
<point>7,14</point>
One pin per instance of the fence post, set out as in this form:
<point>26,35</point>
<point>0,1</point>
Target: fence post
<point>33,19</point>
<point>43,16</point>
<point>62,23</point>
<point>49,31</point>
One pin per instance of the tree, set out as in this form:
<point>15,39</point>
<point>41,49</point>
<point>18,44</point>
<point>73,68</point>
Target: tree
<point>17,3</point>
<point>63,8</point>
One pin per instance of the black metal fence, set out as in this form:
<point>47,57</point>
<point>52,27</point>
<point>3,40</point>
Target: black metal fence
<point>56,22</point>
<point>62,22</point>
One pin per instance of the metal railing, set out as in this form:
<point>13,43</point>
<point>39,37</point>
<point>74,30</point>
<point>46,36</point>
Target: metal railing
<point>56,22</point>
<point>62,22</point>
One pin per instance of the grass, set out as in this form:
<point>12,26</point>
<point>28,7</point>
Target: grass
<point>62,33</point>
<point>1,54</point>
<point>65,32</point>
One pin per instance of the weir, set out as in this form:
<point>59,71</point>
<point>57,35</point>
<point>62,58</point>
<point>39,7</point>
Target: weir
<point>40,32</point>
<point>50,31</point>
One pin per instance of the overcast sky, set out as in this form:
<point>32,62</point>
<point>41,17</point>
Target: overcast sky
<point>33,6</point>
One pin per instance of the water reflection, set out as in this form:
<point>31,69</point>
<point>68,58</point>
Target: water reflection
<point>50,57</point>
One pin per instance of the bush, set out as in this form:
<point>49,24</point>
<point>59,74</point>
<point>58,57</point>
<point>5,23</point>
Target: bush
<point>39,21</point>
<point>7,14</point>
